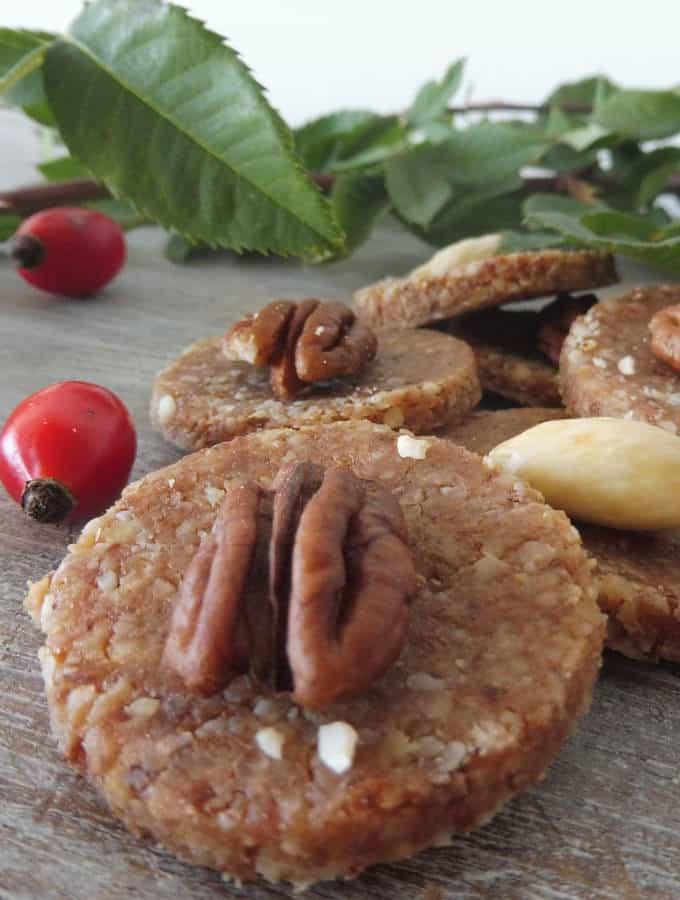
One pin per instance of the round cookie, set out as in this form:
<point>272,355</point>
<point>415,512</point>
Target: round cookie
<point>418,379</point>
<point>608,369</point>
<point>639,590</point>
<point>503,648</point>
<point>418,300</point>
<point>483,430</point>
<point>509,363</point>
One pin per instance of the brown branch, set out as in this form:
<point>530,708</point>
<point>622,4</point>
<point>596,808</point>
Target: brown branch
<point>501,106</point>
<point>26,200</point>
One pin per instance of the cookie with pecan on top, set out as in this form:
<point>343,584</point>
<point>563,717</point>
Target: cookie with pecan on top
<point>306,363</point>
<point>231,745</point>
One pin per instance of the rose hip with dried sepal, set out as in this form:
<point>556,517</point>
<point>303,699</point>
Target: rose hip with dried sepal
<point>66,451</point>
<point>68,251</point>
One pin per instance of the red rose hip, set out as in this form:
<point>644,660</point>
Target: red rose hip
<point>69,251</point>
<point>66,451</point>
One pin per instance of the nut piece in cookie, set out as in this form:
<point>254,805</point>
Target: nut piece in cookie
<point>308,589</point>
<point>473,275</point>
<point>303,343</point>
<point>608,366</point>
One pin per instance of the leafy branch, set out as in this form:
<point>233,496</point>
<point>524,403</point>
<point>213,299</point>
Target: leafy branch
<point>164,122</point>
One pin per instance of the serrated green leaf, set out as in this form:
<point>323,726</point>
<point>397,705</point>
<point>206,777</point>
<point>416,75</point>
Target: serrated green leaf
<point>589,136</point>
<point>648,176</point>
<point>418,186</point>
<point>516,241</point>
<point>585,92</point>
<point>434,96</point>
<point>373,144</point>
<point>181,251</point>
<point>171,120</point>
<point>643,115</point>
<point>322,141</point>
<point>473,214</point>
<point>611,231</point>
<point>63,168</point>
<point>541,202</point>
<point>563,159</point>
<point>358,201</point>
<point>558,122</point>
<point>435,132</point>
<point>471,167</point>
<point>21,54</point>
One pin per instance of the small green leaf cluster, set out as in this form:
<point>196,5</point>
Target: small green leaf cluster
<point>161,111</point>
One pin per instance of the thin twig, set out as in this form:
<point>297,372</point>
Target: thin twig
<point>26,200</point>
<point>502,106</point>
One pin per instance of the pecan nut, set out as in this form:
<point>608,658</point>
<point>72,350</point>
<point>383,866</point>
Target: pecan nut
<point>303,343</point>
<point>665,336</point>
<point>556,319</point>
<point>307,588</point>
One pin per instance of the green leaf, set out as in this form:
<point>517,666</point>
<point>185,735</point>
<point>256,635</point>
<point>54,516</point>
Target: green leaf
<point>473,214</point>
<point>434,96</point>
<point>322,141</point>
<point>561,158</point>
<point>615,232</point>
<point>8,225</point>
<point>588,137</point>
<point>373,144</point>
<point>63,168</point>
<point>180,251</point>
<point>540,202</point>
<point>643,115</point>
<point>171,120</point>
<point>358,201</point>
<point>516,241</point>
<point>585,92</point>
<point>471,167</point>
<point>21,54</point>
<point>648,176</point>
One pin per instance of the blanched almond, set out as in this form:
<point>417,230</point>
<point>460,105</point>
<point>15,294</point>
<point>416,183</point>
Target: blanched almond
<point>615,472</point>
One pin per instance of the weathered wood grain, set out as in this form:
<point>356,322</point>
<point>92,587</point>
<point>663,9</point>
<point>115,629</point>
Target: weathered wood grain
<point>604,825</point>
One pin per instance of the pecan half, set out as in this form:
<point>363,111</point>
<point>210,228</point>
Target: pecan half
<point>307,588</point>
<point>303,342</point>
<point>665,336</point>
<point>556,319</point>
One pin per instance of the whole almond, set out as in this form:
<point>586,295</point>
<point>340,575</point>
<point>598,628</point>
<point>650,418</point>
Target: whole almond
<point>615,472</point>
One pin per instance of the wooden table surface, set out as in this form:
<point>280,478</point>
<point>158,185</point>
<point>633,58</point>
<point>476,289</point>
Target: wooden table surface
<point>604,825</point>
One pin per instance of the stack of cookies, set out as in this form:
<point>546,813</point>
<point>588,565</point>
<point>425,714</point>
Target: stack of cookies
<point>337,635</point>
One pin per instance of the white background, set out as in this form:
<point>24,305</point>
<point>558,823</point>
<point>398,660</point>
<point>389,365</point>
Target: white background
<point>316,55</point>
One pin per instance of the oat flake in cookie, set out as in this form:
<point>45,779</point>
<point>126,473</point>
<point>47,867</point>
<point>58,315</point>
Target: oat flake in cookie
<point>502,650</point>
<point>469,276</point>
<point>608,369</point>
<point>418,380</point>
